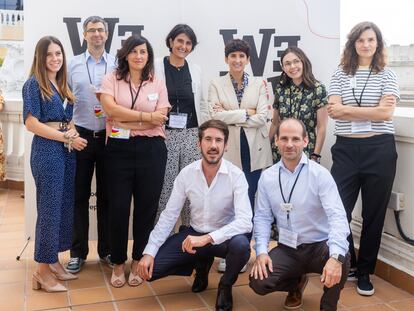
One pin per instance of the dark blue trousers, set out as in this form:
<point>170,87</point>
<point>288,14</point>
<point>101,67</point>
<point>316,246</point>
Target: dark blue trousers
<point>171,260</point>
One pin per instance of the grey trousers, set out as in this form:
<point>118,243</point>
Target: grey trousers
<point>290,264</point>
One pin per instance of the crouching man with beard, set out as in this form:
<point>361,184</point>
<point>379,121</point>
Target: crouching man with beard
<point>220,220</point>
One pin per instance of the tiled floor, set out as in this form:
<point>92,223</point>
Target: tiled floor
<point>93,292</point>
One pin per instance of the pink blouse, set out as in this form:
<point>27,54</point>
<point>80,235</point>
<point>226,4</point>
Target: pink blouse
<point>153,96</point>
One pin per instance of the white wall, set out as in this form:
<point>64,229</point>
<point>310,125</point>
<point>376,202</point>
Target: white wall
<point>316,22</point>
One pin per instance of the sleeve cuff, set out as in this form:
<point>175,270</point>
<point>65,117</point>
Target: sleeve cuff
<point>151,250</point>
<point>335,249</point>
<point>217,237</point>
<point>261,249</point>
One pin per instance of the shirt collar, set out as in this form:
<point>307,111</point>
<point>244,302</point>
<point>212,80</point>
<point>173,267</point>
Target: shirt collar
<point>303,161</point>
<point>222,170</point>
<point>103,57</point>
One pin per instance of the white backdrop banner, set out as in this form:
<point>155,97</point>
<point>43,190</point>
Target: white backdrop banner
<point>269,26</point>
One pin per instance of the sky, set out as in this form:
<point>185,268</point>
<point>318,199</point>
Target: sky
<point>395,18</point>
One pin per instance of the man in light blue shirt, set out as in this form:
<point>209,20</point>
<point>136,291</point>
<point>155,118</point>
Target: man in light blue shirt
<point>85,76</point>
<point>303,198</point>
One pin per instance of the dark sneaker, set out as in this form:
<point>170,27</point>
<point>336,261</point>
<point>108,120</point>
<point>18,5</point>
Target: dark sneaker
<point>352,275</point>
<point>294,299</point>
<point>107,260</point>
<point>365,287</point>
<point>224,300</point>
<point>75,264</point>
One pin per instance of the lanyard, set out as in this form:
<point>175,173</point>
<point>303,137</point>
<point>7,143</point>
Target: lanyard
<point>134,99</point>
<point>363,90</point>
<point>294,184</point>
<point>89,73</point>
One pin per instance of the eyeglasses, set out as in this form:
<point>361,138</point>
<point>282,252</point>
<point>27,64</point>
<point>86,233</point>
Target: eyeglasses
<point>293,62</point>
<point>93,30</point>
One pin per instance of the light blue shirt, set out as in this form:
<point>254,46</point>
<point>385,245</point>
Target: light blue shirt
<point>317,214</point>
<point>80,83</point>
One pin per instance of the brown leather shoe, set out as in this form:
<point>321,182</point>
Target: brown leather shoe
<point>294,299</point>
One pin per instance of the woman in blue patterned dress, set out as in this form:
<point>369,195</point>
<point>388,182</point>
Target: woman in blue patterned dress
<point>47,111</point>
<point>299,95</point>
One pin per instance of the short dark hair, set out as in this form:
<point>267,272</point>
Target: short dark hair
<point>95,19</point>
<point>179,29</point>
<point>304,132</point>
<point>123,69</point>
<point>217,124</point>
<point>236,45</point>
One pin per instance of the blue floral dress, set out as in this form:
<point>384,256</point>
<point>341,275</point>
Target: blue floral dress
<point>53,169</point>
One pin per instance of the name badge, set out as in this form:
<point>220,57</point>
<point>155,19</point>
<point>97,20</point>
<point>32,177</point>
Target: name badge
<point>119,133</point>
<point>287,207</point>
<point>153,96</point>
<point>98,111</point>
<point>65,103</point>
<point>288,238</point>
<point>361,126</point>
<point>177,120</point>
<point>353,82</point>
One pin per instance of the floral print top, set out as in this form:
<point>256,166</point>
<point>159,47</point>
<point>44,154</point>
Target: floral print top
<point>301,103</point>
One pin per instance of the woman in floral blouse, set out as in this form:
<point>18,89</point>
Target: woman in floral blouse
<point>299,95</point>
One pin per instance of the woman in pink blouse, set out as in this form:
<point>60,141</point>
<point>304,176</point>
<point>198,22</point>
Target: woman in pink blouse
<point>136,105</point>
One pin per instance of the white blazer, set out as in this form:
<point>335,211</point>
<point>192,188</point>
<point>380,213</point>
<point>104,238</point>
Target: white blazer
<point>221,91</point>
<point>201,107</point>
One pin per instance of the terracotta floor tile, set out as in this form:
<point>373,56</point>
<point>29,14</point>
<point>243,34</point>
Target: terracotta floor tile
<point>47,301</point>
<point>108,306</point>
<point>12,304</point>
<point>128,292</point>
<point>403,305</point>
<point>387,292</point>
<point>147,304</point>
<point>378,307</point>
<point>12,275</point>
<point>178,302</point>
<point>87,280</point>
<point>350,298</point>
<point>169,286</point>
<point>89,295</point>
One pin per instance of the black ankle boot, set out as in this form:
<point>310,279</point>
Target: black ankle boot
<point>201,278</point>
<point>224,300</point>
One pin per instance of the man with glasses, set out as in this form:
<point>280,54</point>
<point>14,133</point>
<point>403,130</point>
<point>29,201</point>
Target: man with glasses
<point>85,76</point>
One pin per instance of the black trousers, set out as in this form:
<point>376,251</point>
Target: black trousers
<point>135,168</point>
<point>89,159</point>
<point>290,264</point>
<point>171,260</point>
<point>369,165</point>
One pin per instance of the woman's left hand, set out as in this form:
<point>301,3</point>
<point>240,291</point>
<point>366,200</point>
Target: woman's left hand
<point>336,110</point>
<point>79,143</point>
<point>218,108</point>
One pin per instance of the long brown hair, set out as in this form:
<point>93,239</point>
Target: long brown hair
<point>308,78</point>
<point>349,60</point>
<point>39,70</point>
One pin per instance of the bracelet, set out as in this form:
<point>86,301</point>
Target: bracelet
<point>316,155</point>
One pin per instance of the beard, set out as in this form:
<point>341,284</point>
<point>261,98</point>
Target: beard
<point>212,152</point>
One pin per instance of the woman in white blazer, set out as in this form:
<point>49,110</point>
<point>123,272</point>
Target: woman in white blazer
<point>241,101</point>
<point>188,111</point>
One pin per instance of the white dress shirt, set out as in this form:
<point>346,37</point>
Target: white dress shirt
<point>222,210</point>
<point>317,214</point>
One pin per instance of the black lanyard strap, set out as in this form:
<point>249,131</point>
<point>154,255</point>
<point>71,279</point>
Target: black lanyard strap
<point>134,99</point>
<point>89,73</point>
<point>294,184</point>
<point>363,90</point>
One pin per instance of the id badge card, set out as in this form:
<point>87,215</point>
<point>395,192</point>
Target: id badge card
<point>119,133</point>
<point>177,120</point>
<point>286,207</point>
<point>288,238</point>
<point>361,126</point>
<point>98,112</point>
<point>93,88</point>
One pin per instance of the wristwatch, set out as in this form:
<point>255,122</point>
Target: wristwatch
<point>339,258</point>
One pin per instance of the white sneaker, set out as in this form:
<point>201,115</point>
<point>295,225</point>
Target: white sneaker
<point>222,265</point>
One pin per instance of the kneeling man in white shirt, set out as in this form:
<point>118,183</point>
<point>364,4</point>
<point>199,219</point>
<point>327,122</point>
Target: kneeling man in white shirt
<point>220,220</point>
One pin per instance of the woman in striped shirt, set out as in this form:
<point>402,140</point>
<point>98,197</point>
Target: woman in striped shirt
<point>362,98</point>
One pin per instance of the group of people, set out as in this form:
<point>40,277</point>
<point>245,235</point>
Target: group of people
<point>143,126</point>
